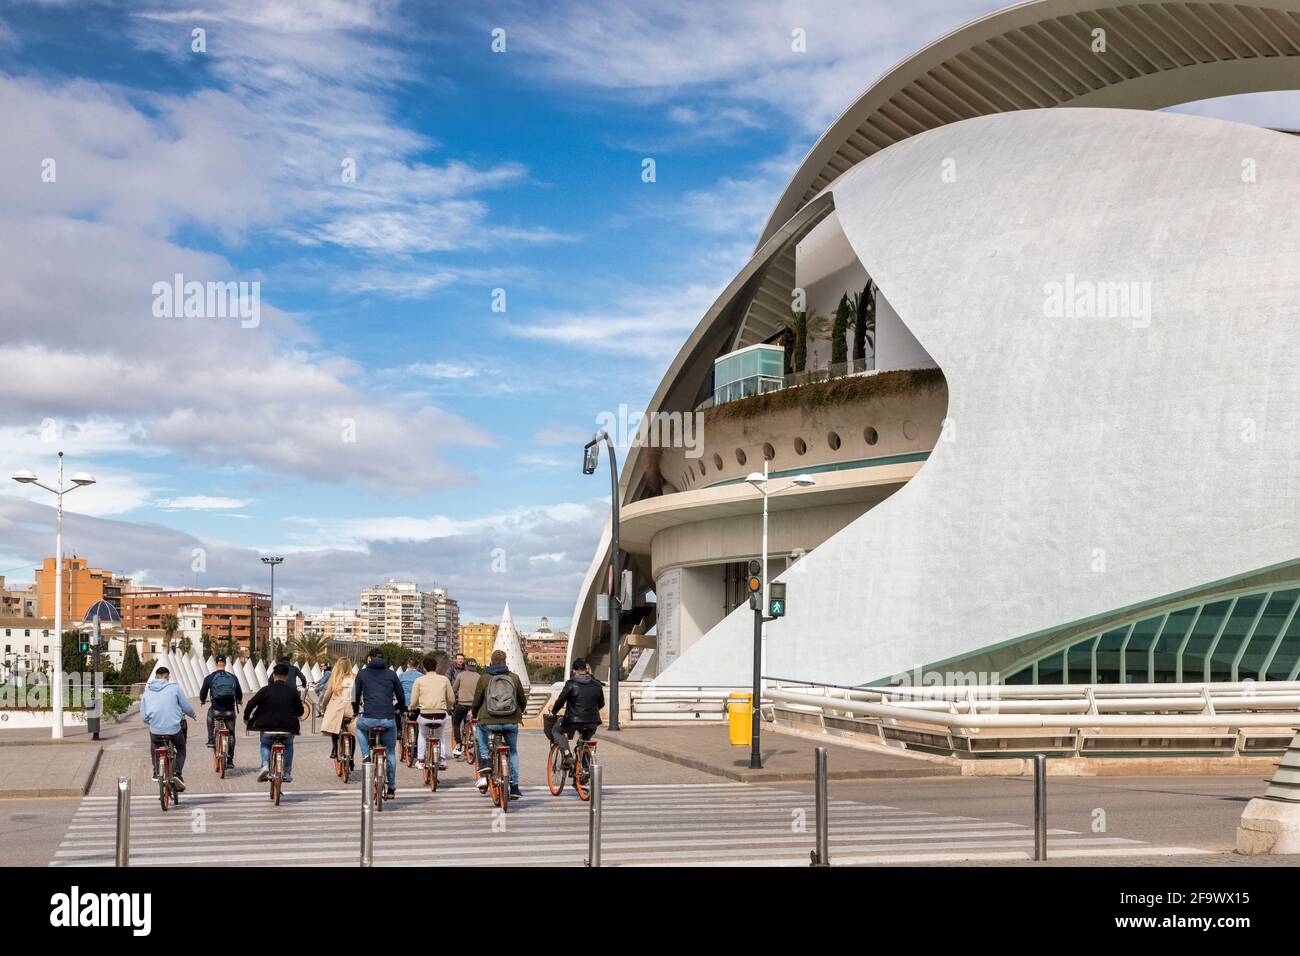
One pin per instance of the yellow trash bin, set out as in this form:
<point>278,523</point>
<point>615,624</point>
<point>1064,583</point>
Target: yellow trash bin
<point>740,718</point>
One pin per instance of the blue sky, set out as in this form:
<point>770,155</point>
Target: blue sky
<point>476,170</point>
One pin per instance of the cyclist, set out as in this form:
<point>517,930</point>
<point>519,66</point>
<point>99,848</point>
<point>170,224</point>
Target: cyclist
<point>581,698</point>
<point>336,701</point>
<point>463,686</point>
<point>457,665</point>
<point>294,672</point>
<point>432,702</point>
<point>407,679</point>
<point>499,702</point>
<point>275,709</point>
<point>377,698</point>
<point>164,708</point>
<point>227,695</point>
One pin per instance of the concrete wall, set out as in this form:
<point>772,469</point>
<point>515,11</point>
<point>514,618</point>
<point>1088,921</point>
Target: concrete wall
<point>1095,462</point>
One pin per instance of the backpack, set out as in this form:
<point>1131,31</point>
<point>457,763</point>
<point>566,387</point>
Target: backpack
<point>224,685</point>
<point>500,698</point>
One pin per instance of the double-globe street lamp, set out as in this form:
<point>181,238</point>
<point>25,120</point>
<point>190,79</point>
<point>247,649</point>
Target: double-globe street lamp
<point>252,615</point>
<point>760,484</point>
<point>79,480</point>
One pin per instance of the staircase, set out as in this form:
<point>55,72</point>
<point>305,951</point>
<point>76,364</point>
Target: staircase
<point>537,698</point>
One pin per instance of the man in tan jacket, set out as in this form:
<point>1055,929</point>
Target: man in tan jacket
<point>431,698</point>
<point>463,686</point>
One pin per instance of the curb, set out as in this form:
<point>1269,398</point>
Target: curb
<point>36,793</point>
<point>779,776</point>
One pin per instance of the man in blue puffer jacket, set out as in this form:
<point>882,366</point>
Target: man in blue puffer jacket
<point>163,709</point>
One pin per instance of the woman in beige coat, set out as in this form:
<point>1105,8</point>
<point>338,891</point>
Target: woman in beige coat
<point>337,702</point>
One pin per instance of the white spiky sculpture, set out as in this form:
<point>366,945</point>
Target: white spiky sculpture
<point>508,640</point>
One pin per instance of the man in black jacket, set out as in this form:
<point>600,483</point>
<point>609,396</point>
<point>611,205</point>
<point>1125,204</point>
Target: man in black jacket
<point>582,698</point>
<point>275,709</point>
<point>377,696</point>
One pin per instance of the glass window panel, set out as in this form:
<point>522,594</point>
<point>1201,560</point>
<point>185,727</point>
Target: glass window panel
<point>1202,635</point>
<point>1108,655</point>
<point>1049,669</point>
<point>1023,676</point>
<point>1287,654</point>
<point>1265,632</point>
<point>1243,616</point>
<point>1165,670</point>
<point>772,362</point>
<point>1079,662</point>
<point>1135,655</point>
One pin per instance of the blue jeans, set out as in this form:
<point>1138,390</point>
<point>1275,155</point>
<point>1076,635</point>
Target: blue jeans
<point>511,733</point>
<point>267,740</point>
<point>363,726</point>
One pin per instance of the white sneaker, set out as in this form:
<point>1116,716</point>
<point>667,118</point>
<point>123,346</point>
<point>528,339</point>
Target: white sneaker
<point>482,783</point>
<point>419,765</point>
<point>441,765</point>
<point>458,753</point>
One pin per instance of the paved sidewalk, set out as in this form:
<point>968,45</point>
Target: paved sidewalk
<point>785,758</point>
<point>48,770</point>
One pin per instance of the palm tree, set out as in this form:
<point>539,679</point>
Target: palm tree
<point>864,328</point>
<point>169,626</point>
<point>840,332</point>
<point>797,329</point>
<point>311,648</point>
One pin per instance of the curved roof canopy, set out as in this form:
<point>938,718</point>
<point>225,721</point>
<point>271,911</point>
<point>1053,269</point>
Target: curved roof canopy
<point>1042,54</point>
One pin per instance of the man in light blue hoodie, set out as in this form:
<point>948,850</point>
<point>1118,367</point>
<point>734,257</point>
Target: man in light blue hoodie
<point>163,709</point>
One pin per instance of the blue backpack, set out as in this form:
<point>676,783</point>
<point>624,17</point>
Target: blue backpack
<point>224,685</point>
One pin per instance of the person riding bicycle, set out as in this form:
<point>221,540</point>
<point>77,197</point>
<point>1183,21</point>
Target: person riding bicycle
<point>431,703</point>
<point>164,708</point>
<point>455,667</point>
<point>227,695</point>
<point>295,673</point>
<point>377,699</point>
<point>582,697</point>
<point>407,679</point>
<point>275,709</point>
<point>499,702</point>
<point>463,686</point>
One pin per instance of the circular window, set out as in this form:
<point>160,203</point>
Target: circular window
<point>769,453</point>
<point>833,439</point>
<point>717,462</point>
<point>871,435</point>
<point>800,446</point>
<point>910,430</point>
<point>740,456</point>
<point>703,470</point>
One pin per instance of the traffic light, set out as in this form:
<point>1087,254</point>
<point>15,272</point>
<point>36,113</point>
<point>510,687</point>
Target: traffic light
<point>85,646</point>
<point>776,599</point>
<point>754,582</point>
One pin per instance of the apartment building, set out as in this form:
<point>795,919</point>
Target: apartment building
<point>219,614</point>
<point>446,621</point>
<point>82,587</point>
<point>397,612</point>
<point>476,640</point>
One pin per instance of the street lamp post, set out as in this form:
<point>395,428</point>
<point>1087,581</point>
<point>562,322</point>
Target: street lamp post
<point>79,480</point>
<point>591,458</point>
<point>759,482</point>
<point>252,607</point>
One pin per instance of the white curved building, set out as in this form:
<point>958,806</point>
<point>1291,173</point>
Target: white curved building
<point>1072,452</point>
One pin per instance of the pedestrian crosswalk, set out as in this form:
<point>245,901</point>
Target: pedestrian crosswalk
<point>668,824</point>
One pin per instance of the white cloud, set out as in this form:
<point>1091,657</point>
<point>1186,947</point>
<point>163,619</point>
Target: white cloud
<point>201,503</point>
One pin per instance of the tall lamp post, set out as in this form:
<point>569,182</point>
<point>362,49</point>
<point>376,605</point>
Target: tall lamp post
<point>591,458</point>
<point>760,484</point>
<point>79,480</point>
<point>252,608</point>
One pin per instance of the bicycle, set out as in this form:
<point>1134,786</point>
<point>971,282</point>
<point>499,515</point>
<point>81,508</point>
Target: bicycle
<point>584,755</point>
<point>433,752</point>
<point>498,769</point>
<point>163,758</point>
<point>223,741</point>
<point>276,764</point>
<point>344,763</point>
<point>410,728</point>
<point>379,759</point>
<point>469,740</point>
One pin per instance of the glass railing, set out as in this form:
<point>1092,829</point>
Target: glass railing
<point>771,384</point>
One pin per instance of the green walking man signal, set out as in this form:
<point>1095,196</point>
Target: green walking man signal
<point>776,599</point>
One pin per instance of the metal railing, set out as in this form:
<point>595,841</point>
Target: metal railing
<point>687,702</point>
<point>1227,719</point>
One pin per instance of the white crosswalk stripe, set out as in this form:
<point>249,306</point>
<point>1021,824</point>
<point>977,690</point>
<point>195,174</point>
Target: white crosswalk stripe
<point>675,824</point>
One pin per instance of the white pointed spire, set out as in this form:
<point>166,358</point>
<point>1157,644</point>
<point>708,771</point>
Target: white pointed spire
<point>508,640</point>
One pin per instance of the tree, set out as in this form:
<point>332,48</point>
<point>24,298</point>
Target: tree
<point>311,648</point>
<point>132,670</point>
<point>74,660</point>
<point>207,647</point>
<point>840,332</point>
<point>395,654</point>
<point>864,326</point>
<point>169,625</point>
<point>801,342</point>
<point>184,644</point>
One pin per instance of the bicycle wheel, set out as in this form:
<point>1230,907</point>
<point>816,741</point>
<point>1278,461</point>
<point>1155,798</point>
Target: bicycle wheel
<point>582,773</point>
<point>502,774</point>
<point>381,775</point>
<point>164,782</point>
<point>470,743</point>
<point>410,753</point>
<point>555,771</point>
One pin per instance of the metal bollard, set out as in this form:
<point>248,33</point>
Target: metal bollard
<point>1040,807</point>
<point>593,835</point>
<point>367,814</point>
<point>123,821</point>
<point>822,855</point>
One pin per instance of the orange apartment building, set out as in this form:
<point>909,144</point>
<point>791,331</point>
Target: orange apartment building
<point>82,587</point>
<point>226,613</point>
<point>476,641</point>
